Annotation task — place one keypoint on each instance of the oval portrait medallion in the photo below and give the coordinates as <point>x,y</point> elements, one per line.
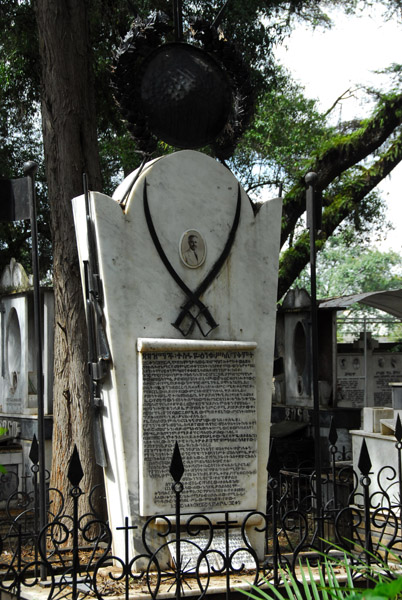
<point>192,248</point>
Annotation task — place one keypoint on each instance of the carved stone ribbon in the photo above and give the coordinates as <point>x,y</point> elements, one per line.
<point>193,297</point>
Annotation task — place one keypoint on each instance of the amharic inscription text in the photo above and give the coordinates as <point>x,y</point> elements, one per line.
<point>205,400</point>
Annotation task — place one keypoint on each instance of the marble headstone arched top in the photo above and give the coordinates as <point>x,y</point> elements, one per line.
<point>14,278</point>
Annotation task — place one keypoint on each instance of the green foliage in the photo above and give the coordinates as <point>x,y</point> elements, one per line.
<point>20,135</point>
<point>286,130</point>
<point>309,589</point>
<point>286,138</point>
<point>323,583</point>
<point>345,266</point>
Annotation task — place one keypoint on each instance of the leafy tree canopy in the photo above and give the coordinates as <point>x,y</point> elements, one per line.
<point>286,130</point>
<point>345,266</point>
<point>288,137</point>
<point>20,132</point>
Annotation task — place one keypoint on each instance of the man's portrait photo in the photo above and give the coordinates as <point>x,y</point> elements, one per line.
<point>192,249</point>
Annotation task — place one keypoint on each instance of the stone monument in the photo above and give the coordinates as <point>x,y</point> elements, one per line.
<point>188,274</point>
<point>17,347</point>
<point>18,377</point>
<point>365,374</point>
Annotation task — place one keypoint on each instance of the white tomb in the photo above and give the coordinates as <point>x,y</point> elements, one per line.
<point>192,353</point>
<point>18,346</point>
<point>378,432</point>
<point>364,376</point>
<point>18,378</point>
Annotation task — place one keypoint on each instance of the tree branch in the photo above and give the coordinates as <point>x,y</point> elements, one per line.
<point>343,153</point>
<point>340,98</point>
<point>342,205</point>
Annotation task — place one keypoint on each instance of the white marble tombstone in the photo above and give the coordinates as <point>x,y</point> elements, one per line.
<point>18,348</point>
<point>201,375</point>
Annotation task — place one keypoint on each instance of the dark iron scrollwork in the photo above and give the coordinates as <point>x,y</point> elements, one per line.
<point>361,519</point>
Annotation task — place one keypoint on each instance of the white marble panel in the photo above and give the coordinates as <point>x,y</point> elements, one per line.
<point>383,453</point>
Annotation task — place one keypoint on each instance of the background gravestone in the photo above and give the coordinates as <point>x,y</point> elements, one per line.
<point>17,350</point>
<point>191,344</point>
<point>18,379</point>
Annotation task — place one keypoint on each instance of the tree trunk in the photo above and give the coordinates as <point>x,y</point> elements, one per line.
<point>70,144</point>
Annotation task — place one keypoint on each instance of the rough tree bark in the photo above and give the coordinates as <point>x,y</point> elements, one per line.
<point>70,144</point>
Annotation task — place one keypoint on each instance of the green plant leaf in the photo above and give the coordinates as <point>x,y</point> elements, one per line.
<point>291,585</point>
<point>389,589</point>
<point>310,586</point>
<point>260,593</point>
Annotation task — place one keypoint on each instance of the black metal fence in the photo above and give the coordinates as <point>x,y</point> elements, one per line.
<point>73,556</point>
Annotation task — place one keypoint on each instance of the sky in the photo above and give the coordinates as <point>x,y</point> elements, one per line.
<point>329,62</point>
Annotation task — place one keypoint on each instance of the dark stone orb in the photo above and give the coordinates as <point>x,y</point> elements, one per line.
<point>185,95</point>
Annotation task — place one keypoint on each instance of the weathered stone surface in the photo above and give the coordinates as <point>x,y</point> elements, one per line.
<point>186,191</point>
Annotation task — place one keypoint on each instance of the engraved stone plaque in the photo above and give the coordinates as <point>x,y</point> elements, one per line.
<point>350,381</point>
<point>386,369</point>
<point>382,369</point>
<point>202,394</point>
<point>213,561</point>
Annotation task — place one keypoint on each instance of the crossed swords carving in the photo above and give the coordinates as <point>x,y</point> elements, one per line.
<point>193,297</point>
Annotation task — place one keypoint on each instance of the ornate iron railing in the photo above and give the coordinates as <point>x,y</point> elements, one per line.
<point>72,556</point>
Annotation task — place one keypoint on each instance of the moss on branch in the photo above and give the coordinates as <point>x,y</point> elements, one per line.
<point>339,206</point>
<point>342,153</point>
